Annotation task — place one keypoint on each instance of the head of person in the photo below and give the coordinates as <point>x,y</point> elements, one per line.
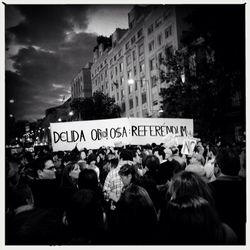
<point>83,155</point>
<point>152,164</point>
<point>136,216</point>
<point>212,152</point>
<point>85,213</point>
<point>45,168</point>
<point>88,179</point>
<point>228,162</point>
<point>197,158</point>
<point>91,160</point>
<point>189,183</point>
<point>21,195</point>
<point>126,155</point>
<point>12,171</point>
<point>147,149</point>
<point>190,219</point>
<point>70,174</point>
<point>129,174</point>
<point>160,153</point>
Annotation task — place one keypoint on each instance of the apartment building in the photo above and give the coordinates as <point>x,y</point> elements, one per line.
<point>129,70</point>
<point>81,83</point>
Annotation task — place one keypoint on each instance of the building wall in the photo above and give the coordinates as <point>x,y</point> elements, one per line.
<point>135,54</point>
<point>81,84</point>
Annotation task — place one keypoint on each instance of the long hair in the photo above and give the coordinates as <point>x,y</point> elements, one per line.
<point>190,220</point>
<point>188,183</point>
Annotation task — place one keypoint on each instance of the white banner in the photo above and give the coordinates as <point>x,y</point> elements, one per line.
<point>116,132</point>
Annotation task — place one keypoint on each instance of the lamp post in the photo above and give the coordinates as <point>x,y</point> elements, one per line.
<point>71,113</point>
<point>132,82</point>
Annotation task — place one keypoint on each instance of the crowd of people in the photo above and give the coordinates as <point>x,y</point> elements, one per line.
<point>133,195</point>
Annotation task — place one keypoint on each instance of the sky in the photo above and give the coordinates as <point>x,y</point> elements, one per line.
<point>45,46</point>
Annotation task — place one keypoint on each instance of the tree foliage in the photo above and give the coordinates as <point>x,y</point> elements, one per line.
<point>213,73</point>
<point>100,106</point>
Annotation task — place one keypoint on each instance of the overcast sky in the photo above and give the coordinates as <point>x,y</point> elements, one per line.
<point>46,45</point>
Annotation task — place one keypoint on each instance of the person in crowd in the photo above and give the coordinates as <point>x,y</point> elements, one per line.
<point>69,183</point>
<point>176,155</point>
<point>101,158</point>
<point>91,164</point>
<point>83,159</point>
<point>129,174</point>
<point>113,184</point>
<point>136,220</point>
<point>148,180</point>
<point>191,220</point>
<point>45,185</point>
<point>111,163</point>
<point>86,219</point>
<point>229,191</point>
<point>29,225</point>
<point>189,183</point>
<point>210,170</point>
<point>196,165</point>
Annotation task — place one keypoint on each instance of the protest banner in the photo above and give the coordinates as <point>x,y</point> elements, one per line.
<point>89,134</point>
<point>154,130</point>
<point>113,132</point>
<point>188,146</point>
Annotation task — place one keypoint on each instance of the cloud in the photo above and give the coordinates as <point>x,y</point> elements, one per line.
<point>46,46</point>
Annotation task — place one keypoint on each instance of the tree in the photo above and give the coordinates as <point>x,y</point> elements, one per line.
<point>100,106</point>
<point>211,75</point>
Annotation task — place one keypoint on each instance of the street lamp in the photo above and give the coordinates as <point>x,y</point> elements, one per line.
<point>132,82</point>
<point>59,119</point>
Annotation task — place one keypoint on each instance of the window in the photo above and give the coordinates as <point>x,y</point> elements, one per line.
<point>143,82</point>
<point>127,45</point>
<point>111,74</point>
<point>159,39</point>
<point>143,98</point>
<point>106,73</point>
<point>131,103</point>
<point>130,88</point>
<point>122,80</point>
<point>116,71</point>
<point>153,81</point>
<point>118,96</point>
<point>105,61</point>
<point>158,22</point>
<point>151,46</point>
<point>168,31</point>
<point>141,65</point>
<point>152,65</point>
<point>128,59</point>
<point>140,50</point>
<point>114,58</point>
<point>129,74</point>
<point>101,77</point>
<point>132,39</point>
<point>139,33</point>
<point>150,29</point>
<point>135,72</point>
<point>111,61</point>
<point>119,53</point>
<point>136,101</point>
<point>122,93</point>
<point>136,85</point>
<point>133,55</point>
<point>121,67</point>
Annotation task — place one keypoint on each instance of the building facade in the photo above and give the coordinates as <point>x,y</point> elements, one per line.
<point>129,71</point>
<point>81,83</point>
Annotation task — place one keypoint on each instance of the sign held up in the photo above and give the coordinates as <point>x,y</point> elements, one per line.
<point>118,131</point>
